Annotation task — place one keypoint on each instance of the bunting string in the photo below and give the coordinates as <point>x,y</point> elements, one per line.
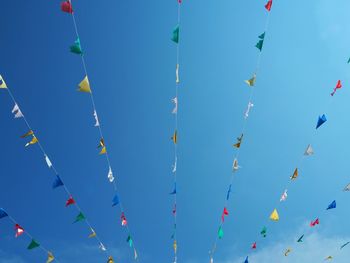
<point>58,182</point>
<point>85,86</point>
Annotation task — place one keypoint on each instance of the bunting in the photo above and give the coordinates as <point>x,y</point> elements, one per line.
<point>2,83</point>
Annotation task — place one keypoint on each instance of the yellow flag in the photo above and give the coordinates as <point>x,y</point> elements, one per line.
<point>174,137</point>
<point>33,141</point>
<point>27,134</point>
<point>328,258</point>
<point>274,216</point>
<point>110,260</point>
<point>251,82</point>
<point>93,233</point>
<point>175,246</point>
<point>295,174</point>
<point>50,257</point>
<point>2,83</point>
<point>239,141</point>
<point>102,144</point>
<point>84,85</point>
<point>287,252</point>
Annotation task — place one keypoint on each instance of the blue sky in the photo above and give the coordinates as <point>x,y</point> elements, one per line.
<point>131,63</point>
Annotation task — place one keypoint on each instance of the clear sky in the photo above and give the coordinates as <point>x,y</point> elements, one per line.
<point>131,63</point>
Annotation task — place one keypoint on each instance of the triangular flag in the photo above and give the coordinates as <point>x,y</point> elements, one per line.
<point>287,252</point>
<point>102,144</point>
<point>174,191</point>
<point>93,233</point>
<point>268,5</point>
<point>348,60</point>
<point>239,141</point>
<point>344,245</point>
<point>246,113</point>
<point>328,258</point>
<point>17,111</point>
<point>260,43</point>
<point>246,260</point>
<point>50,257</point>
<point>315,222</point>
<point>235,165</point>
<point>264,231</point>
<point>76,48</point>
<point>174,100</point>
<point>338,86</point>
<point>57,183</point>
<point>97,123</point>
<point>19,230</point>
<point>70,201</point>
<point>102,247</point>
<point>274,215</point>
<point>48,162</point>
<point>300,239</point>
<point>135,254</point>
<point>174,137</point>
<point>80,217</point>
<point>254,245</point>
<point>33,141</point>
<point>110,175</point>
<point>177,74</point>
<point>2,83</point>
<point>110,260</point>
<point>3,213</point>
<point>332,205</point>
<point>347,188</point>
<point>27,134</point>
<point>66,7</point>
<point>129,240</point>
<point>309,151</point>
<point>224,213</point>
<point>220,233</point>
<point>115,200</point>
<point>284,196</point>
<point>33,244</point>
<point>123,219</point>
<point>175,246</point>
<point>251,82</point>
<point>84,85</point>
<point>176,34</point>
<point>321,119</point>
<point>295,174</point>
<point>229,192</point>
<point>175,165</point>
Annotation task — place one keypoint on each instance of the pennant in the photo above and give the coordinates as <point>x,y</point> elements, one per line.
<point>347,188</point>
<point>97,123</point>
<point>57,183</point>
<point>174,137</point>
<point>110,260</point>
<point>84,85</point>
<point>287,252</point>
<point>246,260</point>
<point>254,245</point>
<point>102,145</point>
<point>315,222</point>
<point>300,239</point>
<point>176,34</point>
<point>110,175</point>
<point>175,165</point>
<point>344,245</point>
<point>264,231</point>
<point>102,247</point>
<point>321,119</point>
<point>177,74</point>
<point>93,233</point>
<point>48,162</point>
<point>19,230</point>
<point>80,217</point>
<point>295,174</point>
<point>309,151</point>
<point>175,246</point>
<point>229,192</point>
<point>235,165</point>
<point>274,215</point>
<point>174,100</point>
<point>123,219</point>
<point>284,196</point>
<point>328,258</point>
<point>332,205</point>
<point>129,240</point>
<point>211,260</point>
<point>70,201</point>
<point>260,43</point>
<point>3,213</point>
<point>251,82</point>
<point>224,213</point>
<point>246,113</point>
<point>268,5</point>
<point>135,254</point>
<point>115,200</point>
<point>33,141</point>
<point>239,142</point>
<point>348,60</point>
<point>2,83</point>
<point>33,245</point>
<point>338,86</point>
<point>27,134</point>
<point>174,191</point>
<point>66,7</point>
<point>50,257</point>
<point>17,111</point>
<point>76,48</point>
<point>174,210</point>
<point>220,233</point>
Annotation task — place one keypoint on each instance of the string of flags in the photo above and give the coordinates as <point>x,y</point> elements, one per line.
<point>175,38</point>
<point>85,87</point>
<point>57,182</point>
<point>33,244</point>
<point>251,82</point>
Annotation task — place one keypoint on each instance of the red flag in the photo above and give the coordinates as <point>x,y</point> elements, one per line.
<point>339,86</point>
<point>314,223</point>
<point>123,218</point>
<point>67,7</point>
<point>254,245</point>
<point>268,5</point>
<point>19,230</point>
<point>224,213</point>
<point>179,1</point>
<point>70,201</point>
<point>174,210</point>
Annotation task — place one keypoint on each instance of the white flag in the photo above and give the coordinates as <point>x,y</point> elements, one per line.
<point>175,165</point>
<point>48,162</point>
<point>16,110</point>
<point>102,247</point>
<point>96,118</point>
<point>135,254</point>
<point>250,105</point>
<point>110,175</point>
<point>347,188</point>
<point>235,165</point>
<point>174,100</point>
<point>309,151</point>
<point>284,196</point>
<point>177,74</point>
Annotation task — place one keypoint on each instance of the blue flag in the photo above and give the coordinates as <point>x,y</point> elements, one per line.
<point>57,183</point>
<point>332,205</point>
<point>3,213</point>
<point>115,200</point>
<point>321,119</point>
<point>246,260</point>
<point>228,192</point>
<point>174,191</point>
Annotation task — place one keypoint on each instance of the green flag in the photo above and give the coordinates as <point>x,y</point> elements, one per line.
<point>176,34</point>
<point>263,231</point>
<point>33,244</point>
<point>348,60</point>
<point>76,48</point>
<point>129,240</point>
<point>260,44</point>
<point>220,232</point>
<point>262,36</point>
<point>79,217</point>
